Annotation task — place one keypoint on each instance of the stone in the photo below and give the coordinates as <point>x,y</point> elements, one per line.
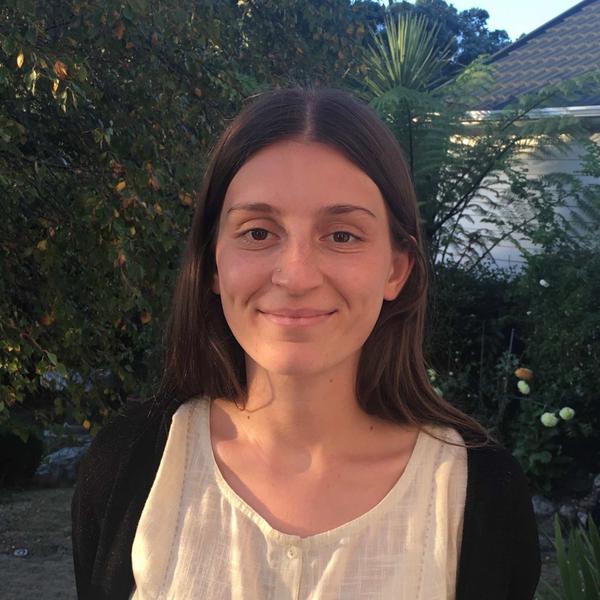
<point>60,466</point>
<point>568,512</point>
<point>542,507</point>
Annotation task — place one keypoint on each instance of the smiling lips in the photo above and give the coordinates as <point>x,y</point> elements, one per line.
<point>301,316</point>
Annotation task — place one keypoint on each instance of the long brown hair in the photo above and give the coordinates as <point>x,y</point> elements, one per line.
<point>202,355</point>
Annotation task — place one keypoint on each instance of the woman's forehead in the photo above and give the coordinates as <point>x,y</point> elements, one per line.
<point>311,174</point>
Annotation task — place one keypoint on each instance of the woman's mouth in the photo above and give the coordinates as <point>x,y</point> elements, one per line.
<point>298,321</point>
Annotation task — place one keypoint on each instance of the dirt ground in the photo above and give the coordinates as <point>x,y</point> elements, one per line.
<point>39,520</point>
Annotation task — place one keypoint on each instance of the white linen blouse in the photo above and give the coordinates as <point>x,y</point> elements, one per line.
<point>197,539</point>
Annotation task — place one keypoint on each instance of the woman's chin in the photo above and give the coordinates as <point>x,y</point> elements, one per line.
<point>292,365</point>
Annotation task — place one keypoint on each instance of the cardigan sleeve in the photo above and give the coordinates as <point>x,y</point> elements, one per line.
<point>499,558</point>
<point>96,479</point>
<point>525,559</point>
<point>85,527</point>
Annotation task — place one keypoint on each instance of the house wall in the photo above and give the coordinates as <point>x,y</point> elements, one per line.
<point>507,255</point>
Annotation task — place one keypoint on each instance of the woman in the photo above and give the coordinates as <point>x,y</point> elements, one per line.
<point>297,449</point>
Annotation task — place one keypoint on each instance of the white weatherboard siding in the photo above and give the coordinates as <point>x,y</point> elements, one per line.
<point>506,255</point>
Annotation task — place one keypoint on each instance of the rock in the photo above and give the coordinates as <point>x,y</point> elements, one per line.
<point>542,507</point>
<point>60,466</point>
<point>568,512</point>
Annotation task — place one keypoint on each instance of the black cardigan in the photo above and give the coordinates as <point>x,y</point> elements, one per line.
<point>499,557</point>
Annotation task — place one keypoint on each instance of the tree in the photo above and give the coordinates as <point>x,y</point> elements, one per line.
<point>107,113</point>
<point>462,168</point>
<point>465,32</point>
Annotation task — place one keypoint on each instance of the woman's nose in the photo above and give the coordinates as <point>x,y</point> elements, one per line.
<point>297,268</point>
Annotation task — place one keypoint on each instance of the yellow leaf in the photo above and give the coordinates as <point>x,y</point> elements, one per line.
<point>20,60</point>
<point>158,209</point>
<point>60,69</point>
<point>186,199</point>
<point>86,424</point>
<point>42,245</point>
<point>55,85</point>
<point>120,186</point>
<point>145,317</point>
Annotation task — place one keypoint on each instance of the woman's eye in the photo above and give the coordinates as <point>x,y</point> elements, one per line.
<point>343,237</point>
<point>256,235</point>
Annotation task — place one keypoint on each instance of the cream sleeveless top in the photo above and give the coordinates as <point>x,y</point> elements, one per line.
<point>197,539</point>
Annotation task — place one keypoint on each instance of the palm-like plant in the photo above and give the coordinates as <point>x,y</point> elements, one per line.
<point>406,56</point>
<point>465,170</point>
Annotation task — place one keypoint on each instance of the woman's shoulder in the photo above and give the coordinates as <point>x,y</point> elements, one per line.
<point>135,429</point>
<point>489,464</point>
<point>140,427</point>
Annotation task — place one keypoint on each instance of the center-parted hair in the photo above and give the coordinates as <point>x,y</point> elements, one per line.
<point>202,355</point>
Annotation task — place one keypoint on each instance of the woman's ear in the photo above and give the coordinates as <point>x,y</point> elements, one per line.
<point>400,270</point>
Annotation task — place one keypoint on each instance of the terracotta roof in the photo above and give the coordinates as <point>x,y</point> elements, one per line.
<point>565,47</point>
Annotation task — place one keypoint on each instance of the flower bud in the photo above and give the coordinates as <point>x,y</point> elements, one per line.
<point>566,413</point>
<point>523,373</point>
<point>549,419</point>
<point>523,387</point>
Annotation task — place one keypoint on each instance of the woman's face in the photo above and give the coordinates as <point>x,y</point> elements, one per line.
<point>304,258</point>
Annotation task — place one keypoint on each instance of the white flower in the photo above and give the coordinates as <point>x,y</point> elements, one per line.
<point>523,387</point>
<point>432,374</point>
<point>549,419</point>
<point>566,413</point>
<point>544,283</point>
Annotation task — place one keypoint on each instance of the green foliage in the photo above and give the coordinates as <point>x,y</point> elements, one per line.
<point>408,57</point>
<point>561,335</point>
<point>107,113</point>
<point>470,173</point>
<point>486,323</point>
<point>579,563</point>
<point>465,32</point>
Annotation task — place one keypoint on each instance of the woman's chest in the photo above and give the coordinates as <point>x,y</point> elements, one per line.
<point>307,504</point>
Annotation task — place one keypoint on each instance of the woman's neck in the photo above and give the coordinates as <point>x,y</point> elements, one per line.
<point>300,417</point>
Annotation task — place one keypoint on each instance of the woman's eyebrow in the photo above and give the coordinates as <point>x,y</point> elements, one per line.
<point>333,209</point>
